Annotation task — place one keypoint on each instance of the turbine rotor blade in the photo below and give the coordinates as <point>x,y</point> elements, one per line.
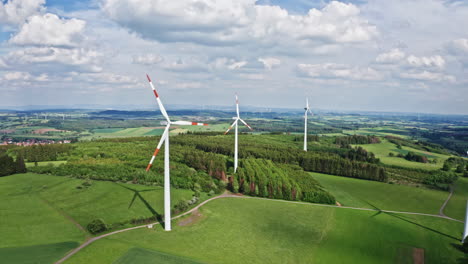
<point>188,123</point>
<point>161,106</point>
<point>156,151</point>
<point>245,124</point>
<point>235,121</point>
<point>237,107</point>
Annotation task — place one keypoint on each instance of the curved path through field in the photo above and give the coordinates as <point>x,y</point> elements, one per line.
<point>225,195</point>
<point>441,211</point>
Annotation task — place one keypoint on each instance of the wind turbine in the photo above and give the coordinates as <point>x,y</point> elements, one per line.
<point>236,120</point>
<point>165,139</point>
<point>307,109</point>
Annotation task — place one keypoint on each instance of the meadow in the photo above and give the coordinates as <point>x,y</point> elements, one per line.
<point>44,212</point>
<point>382,150</point>
<point>456,207</point>
<point>236,230</point>
<point>377,195</point>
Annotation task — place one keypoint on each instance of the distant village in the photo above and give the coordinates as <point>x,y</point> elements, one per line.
<point>31,142</point>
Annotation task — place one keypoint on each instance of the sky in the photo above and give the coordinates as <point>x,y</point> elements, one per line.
<point>376,55</point>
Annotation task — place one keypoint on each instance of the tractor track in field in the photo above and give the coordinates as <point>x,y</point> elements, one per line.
<point>227,195</point>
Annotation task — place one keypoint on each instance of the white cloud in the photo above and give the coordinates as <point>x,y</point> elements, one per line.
<point>15,12</point>
<point>270,62</point>
<point>459,49</point>
<point>87,59</point>
<point>23,76</point>
<point>230,22</point>
<point>103,77</point>
<point>147,59</point>
<point>252,76</point>
<point>340,71</point>
<point>459,45</point>
<point>392,56</point>
<point>433,61</point>
<point>49,29</point>
<point>237,65</point>
<point>187,85</point>
<point>428,76</point>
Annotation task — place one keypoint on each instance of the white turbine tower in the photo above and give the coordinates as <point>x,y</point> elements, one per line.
<point>236,119</point>
<point>465,231</point>
<point>165,139</point>
<point>307,109</point>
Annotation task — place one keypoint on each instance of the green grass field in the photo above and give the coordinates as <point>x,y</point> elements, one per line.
<point>32,231</point>
<point>146,256</point>
<point>47,253</point>
<point>235,230</point>
<point>384,196</point>
<point>381,151</point>
<point>456,207</point>
<point>45,163</point>
<point>38,209</point>
<point>110,201</point>
<point>124,132</point>
<point>377,131</point>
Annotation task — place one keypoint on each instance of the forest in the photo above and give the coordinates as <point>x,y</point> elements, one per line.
<point>202,161</point>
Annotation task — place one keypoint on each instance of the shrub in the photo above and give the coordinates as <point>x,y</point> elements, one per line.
<point>96,226</point>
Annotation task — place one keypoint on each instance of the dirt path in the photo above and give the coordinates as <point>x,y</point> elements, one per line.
<point>226,195</point>
<point>441,211</point>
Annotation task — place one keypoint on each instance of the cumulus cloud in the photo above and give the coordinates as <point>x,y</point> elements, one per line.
<point>392,56</point>
<point>432,61</point>
<point>49,29</point>
<point>428,76</point>
<point>459,49</point>
<point>15,12</point>
<point>227,22</point>
<point>270,62</point>
<point>339,71</point>
<point>85,59</point>
<point>147,59</point>
<point>102,78</point>
<point>459,45</point>
<point>23,76</point>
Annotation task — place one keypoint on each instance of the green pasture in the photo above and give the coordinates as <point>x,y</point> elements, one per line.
<point>378,131</point>
<point>377,195</point>
<point>46,253</point>
<point>45,163</point>
<point>236,230</point>
<point>456,207</point>
<point>32,230</point>
<point>124,132</point>
<point>146,256</point>
<point>382,150</point>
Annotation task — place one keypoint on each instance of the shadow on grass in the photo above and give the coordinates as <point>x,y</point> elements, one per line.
<point>460,248</point>
<point>137,194</point>
<point>407,220</point>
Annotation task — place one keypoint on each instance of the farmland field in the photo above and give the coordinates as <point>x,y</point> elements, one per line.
<point>382,150</point>
<point>125,132</point>
<point>289,233</point>
<point>378,195</point>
